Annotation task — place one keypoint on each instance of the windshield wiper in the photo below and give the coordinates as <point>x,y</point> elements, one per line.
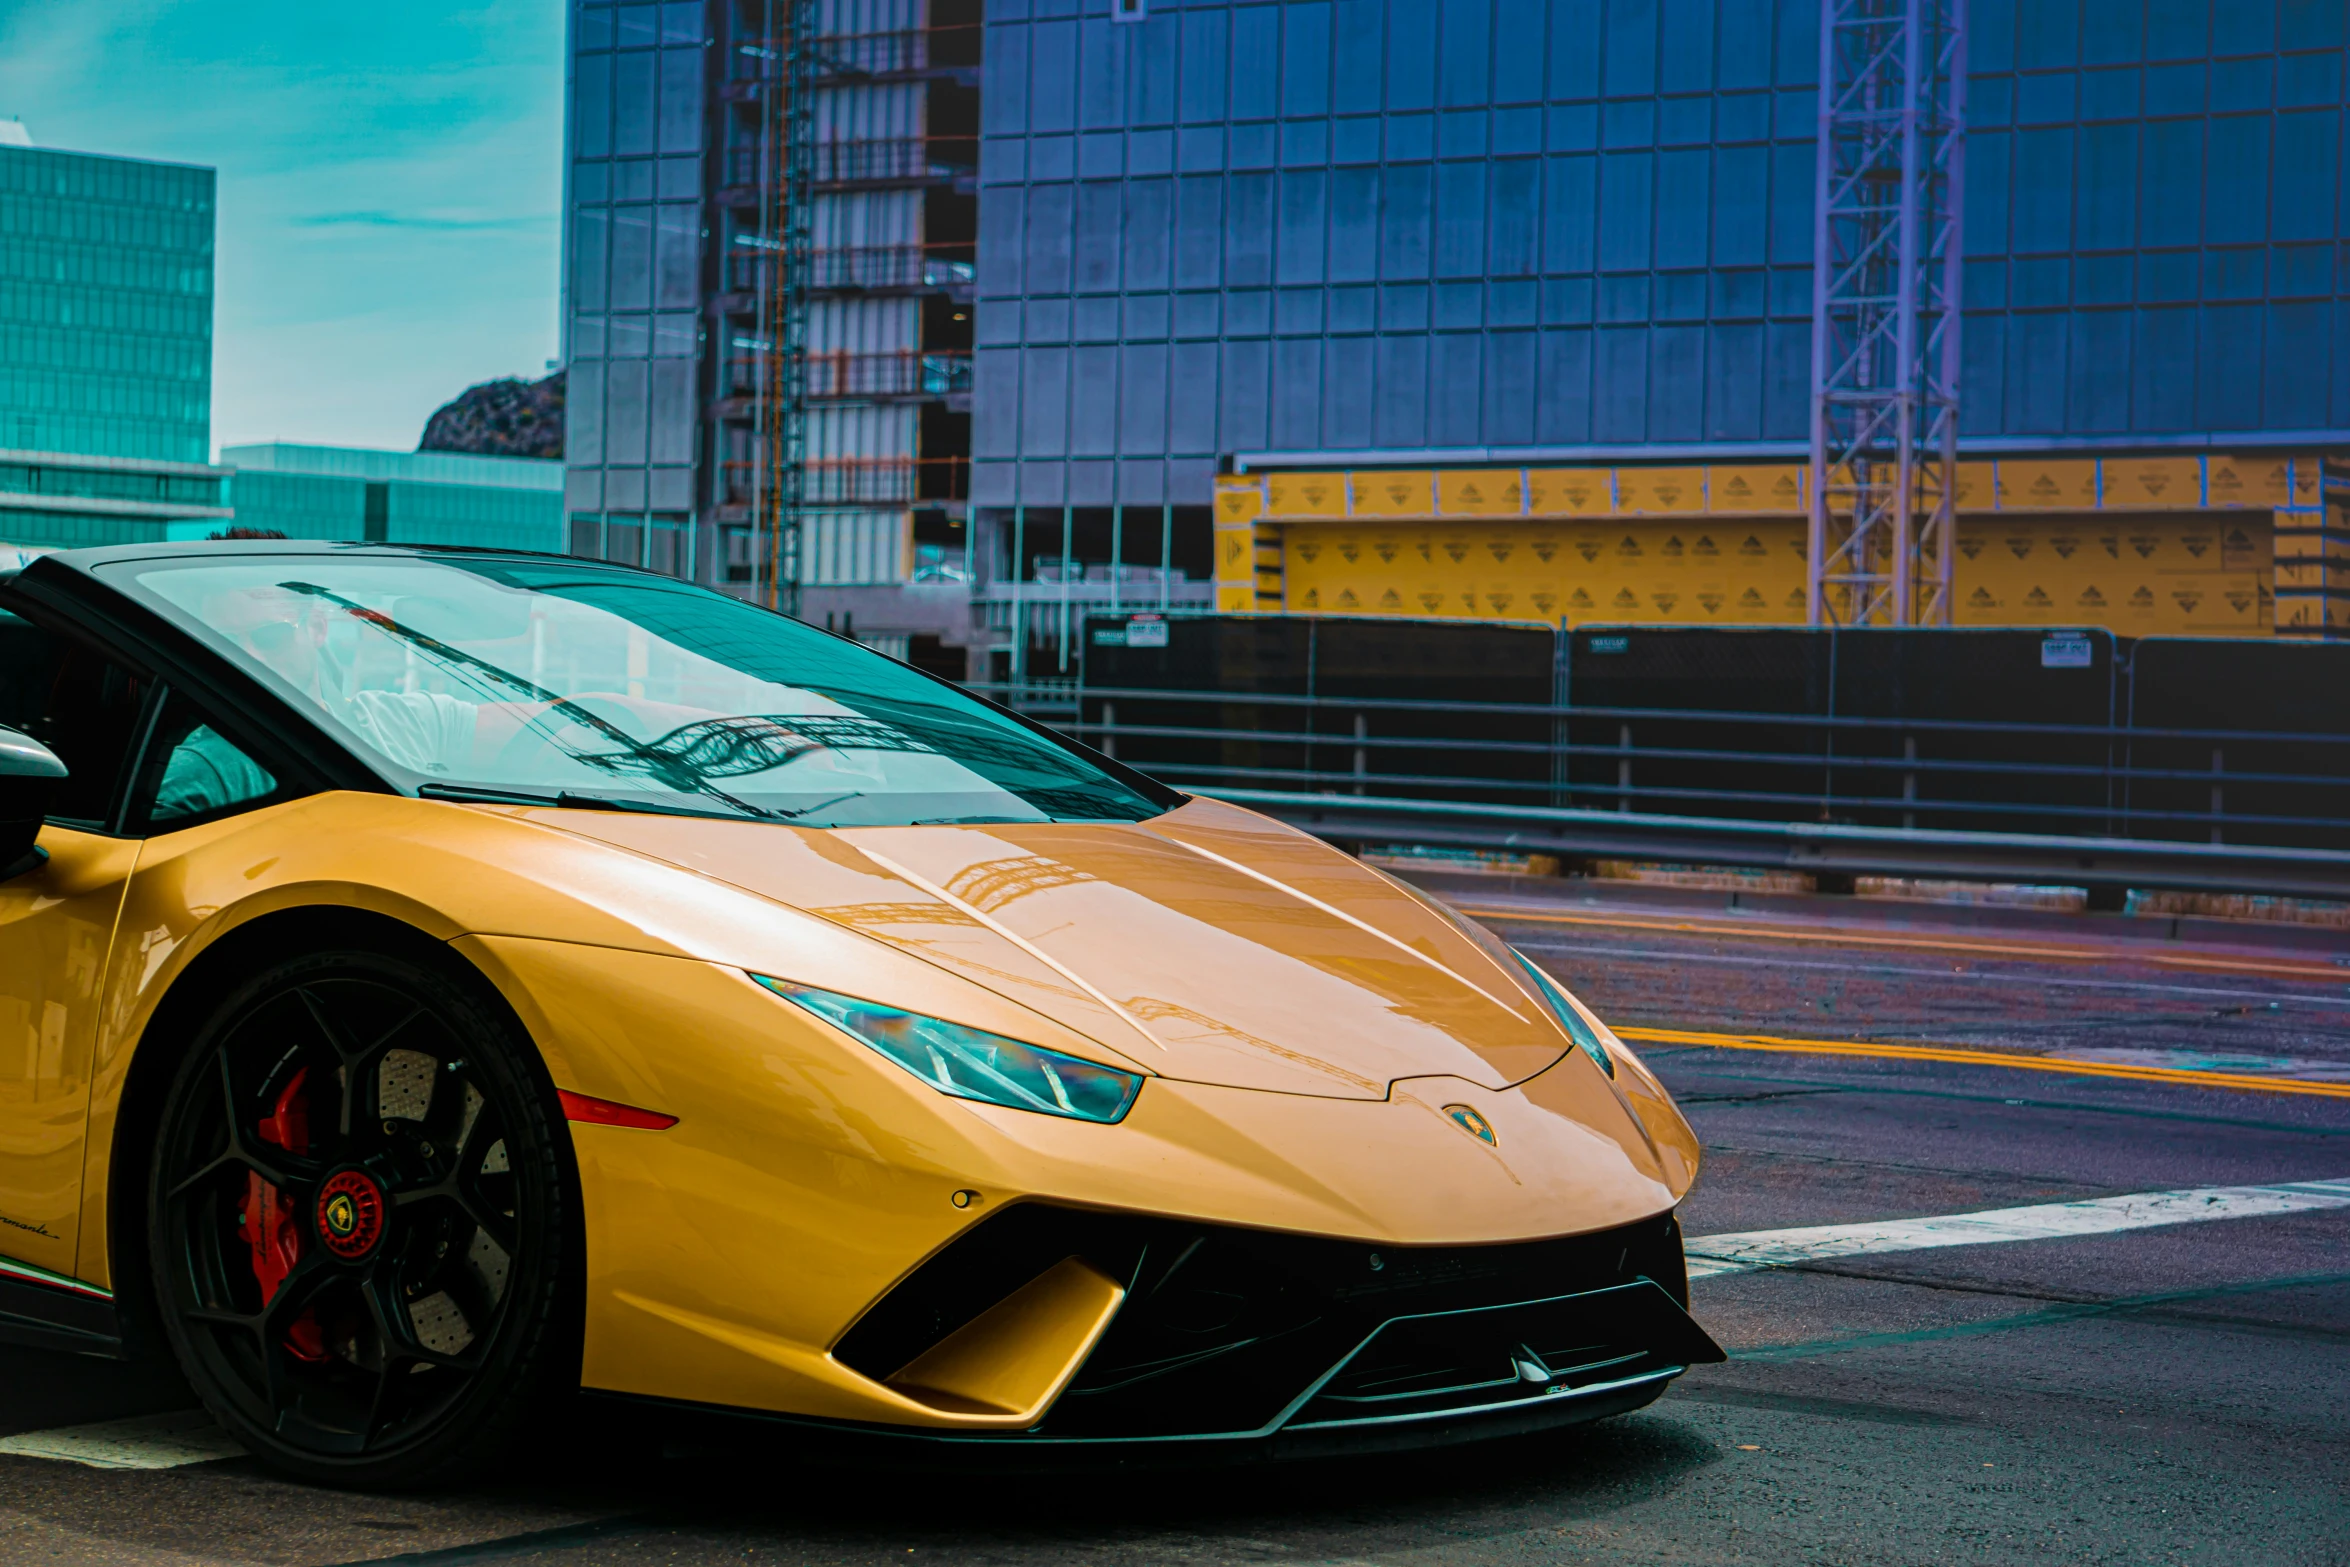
<point>566,799</point>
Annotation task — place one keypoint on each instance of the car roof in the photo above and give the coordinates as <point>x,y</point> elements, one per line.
<point>216,549</point>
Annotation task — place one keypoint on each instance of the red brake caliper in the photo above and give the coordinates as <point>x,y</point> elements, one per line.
<point>273,1227</point>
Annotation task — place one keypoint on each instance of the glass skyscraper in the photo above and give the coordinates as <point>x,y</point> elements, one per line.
<point>105,346</point>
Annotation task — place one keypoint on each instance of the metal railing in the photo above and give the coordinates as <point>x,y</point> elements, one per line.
<point>872,160</point>
<point>836,377</point>
<point>2109,780</point>
<point>1832,852</point>
<point>863,480</point>
<point>954,46</point>
<point>864,267</point>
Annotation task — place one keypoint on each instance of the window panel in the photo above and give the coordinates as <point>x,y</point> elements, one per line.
<point>1460,221</point>
<point>632,103</point>
<point>1142,399</point>
<point>1097,236</point>
<point>1455,368</point>
<point>1093,405</point>
<point>1403,222</point>
<point>1399,413</point>
<point>1044,403</point>
<point>1411,54</point>
<point>1516,212</point>
<point>1297,392</point>
<point>677,257</point>
<point>1191,403</point>
<point>1569,214</point>
<point>2235,189</point>
<point>591,107</point>
<point>1354,225</point>
<point>681,100</point>
<point>1518,51</point>
<point>1205,52</point>
<point>672,412</point>
<point>1199,231</point>
<point>628,413</point>
<point>1248,232</point>
<point>1256,60</point>
<point>1148,221</point>
<point>1347,393</point>
<point>587,260</point>
<point>1467,50</point>
<point>1625,216</point>
<point>1241,422</point>
<point>1052,77</point>
<point>1302,225</point>
<point>1305,58</point>
<point>1563,413</point>
<point>632,258</point>
<point>1047,249</point>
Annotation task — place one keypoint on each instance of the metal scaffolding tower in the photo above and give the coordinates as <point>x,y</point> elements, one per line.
<point>1886,254</point>
<point>787,166</point>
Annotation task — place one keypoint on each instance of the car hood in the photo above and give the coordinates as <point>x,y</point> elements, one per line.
<point>1209,945</point>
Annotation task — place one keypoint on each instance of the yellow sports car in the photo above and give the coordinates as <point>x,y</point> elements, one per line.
<point>434,982</point>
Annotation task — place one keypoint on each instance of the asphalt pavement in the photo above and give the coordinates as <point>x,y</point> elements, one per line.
<point>2163,1381</point>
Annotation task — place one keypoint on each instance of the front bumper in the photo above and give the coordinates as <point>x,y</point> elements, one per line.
<point>1235,1345</point>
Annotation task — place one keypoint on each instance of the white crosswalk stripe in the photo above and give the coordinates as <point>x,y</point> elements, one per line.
<point>167,1441</point>
<point>1716,1254</point>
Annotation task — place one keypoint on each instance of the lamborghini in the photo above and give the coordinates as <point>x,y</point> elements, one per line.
<point>438,984</point>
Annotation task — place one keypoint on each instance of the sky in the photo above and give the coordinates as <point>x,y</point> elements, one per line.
<point>390,183</point>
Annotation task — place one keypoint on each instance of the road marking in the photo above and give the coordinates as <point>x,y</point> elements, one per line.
<point>2071,1066</point>
<point>184,1436</point>
<point>1833,935</point>
<point>1740,1253</point>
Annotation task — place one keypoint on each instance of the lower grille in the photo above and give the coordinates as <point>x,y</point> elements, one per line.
<point>1231,1332</point>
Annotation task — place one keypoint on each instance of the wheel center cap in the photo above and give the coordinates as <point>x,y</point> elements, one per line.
<point>350,1214</point>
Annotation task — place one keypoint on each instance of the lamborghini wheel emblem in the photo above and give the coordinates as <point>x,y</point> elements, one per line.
<point>350,1214</point>
<point>1474,1124</point>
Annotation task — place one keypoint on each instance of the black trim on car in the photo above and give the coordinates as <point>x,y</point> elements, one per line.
<point>64,597</point>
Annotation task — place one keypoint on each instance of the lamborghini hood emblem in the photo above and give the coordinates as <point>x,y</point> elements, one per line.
<point>1474,1124</point>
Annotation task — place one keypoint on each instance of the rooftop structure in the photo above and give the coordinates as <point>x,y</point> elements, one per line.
<point>335,492</point>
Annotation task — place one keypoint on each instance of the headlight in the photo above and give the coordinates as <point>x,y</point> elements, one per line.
<point>1569,1019</point>
<point>971,1064</point>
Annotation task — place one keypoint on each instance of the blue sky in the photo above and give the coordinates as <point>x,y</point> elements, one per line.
<point>390,179</point>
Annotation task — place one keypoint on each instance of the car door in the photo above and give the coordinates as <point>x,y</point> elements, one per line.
<point>57,928</point>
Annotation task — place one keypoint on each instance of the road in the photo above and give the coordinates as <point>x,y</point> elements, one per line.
<point>2171,1392</point>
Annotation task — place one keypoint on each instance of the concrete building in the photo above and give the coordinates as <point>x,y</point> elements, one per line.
<point>105,347</point>
<point>336,492</point>
<point>1502,308</point>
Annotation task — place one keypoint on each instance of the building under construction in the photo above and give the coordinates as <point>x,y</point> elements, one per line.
<point>954,328</point>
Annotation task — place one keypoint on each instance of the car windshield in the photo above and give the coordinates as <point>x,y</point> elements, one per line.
<point>581,684</point>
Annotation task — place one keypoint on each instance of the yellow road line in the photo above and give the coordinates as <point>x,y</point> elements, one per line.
<point>1834,936</point>
<point>2242,1082</point>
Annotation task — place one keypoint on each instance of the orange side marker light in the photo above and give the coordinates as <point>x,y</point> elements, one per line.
<point>603,1112</point>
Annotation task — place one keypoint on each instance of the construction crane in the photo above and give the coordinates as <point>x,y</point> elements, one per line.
<point>1886,255</point>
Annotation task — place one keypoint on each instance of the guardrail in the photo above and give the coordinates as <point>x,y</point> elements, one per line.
<point>1820,849</point>
<point>2119,781</point>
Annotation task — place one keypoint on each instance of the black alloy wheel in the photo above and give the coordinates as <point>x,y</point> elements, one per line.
<point>360,1224</point>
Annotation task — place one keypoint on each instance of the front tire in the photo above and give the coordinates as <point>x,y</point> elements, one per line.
<point>360,1223</point>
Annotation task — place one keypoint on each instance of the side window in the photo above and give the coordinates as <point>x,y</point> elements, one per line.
<point>193,773</point>
<point>79,704</point>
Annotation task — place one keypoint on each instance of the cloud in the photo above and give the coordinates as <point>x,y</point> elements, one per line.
<point>406,220</point>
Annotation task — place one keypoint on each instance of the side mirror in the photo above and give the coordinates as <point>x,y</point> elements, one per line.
<point>29,775</point>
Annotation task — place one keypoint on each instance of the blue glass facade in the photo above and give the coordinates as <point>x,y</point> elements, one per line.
<point>1478,227</point>
<point>105,306</point>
